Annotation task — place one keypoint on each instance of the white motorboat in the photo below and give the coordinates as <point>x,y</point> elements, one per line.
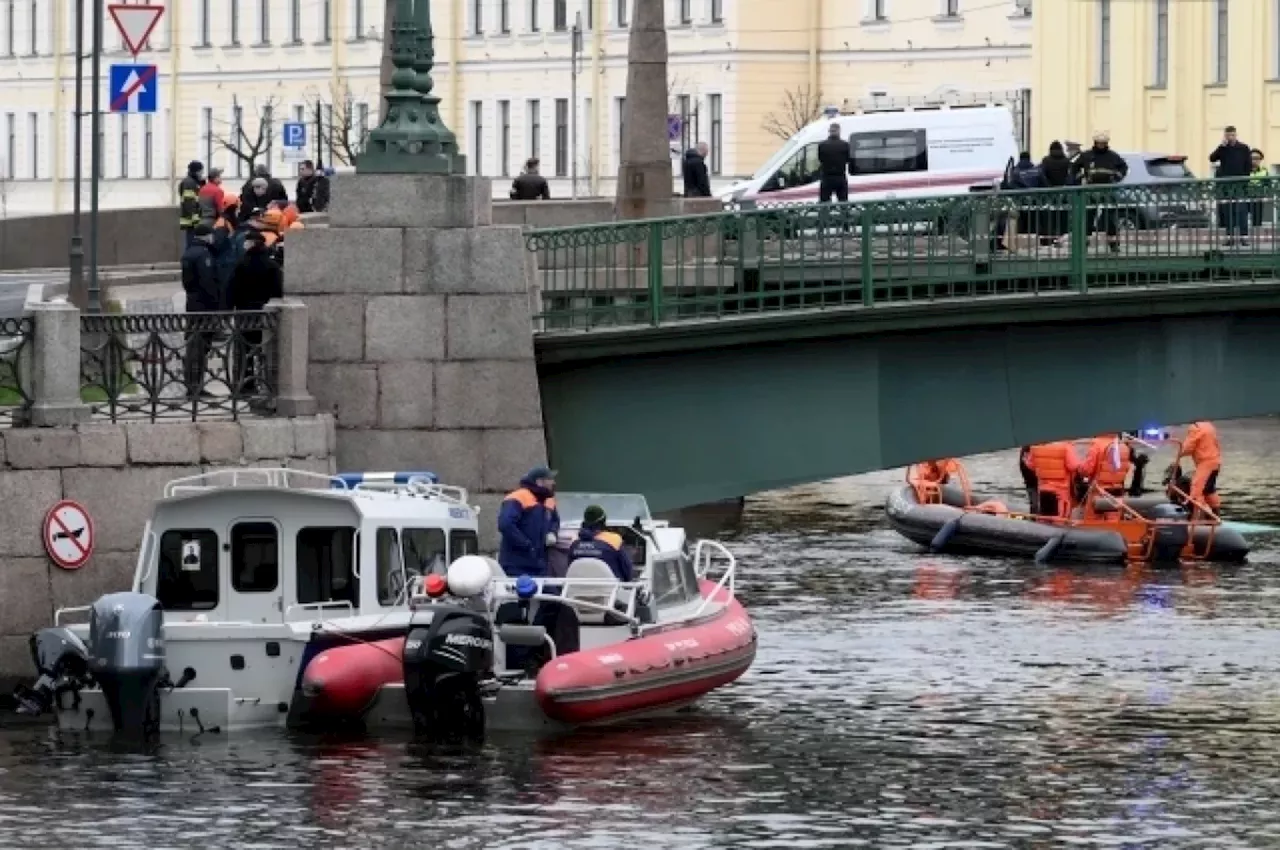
<point>274,597</point>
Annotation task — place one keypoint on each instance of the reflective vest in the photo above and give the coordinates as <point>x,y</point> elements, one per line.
<point>1053,466</point>
<point>1106,474</point>
<point>188,203</point>
<point>527,500</point>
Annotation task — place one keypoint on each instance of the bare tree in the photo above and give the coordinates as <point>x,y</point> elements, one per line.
<point>800,108</point>
<point>345,125</point>
<point>249,145</point>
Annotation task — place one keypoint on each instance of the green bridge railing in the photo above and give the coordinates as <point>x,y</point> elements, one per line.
<point>806,257</point>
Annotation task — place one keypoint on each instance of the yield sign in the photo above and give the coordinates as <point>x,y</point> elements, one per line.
<point>135,23</point>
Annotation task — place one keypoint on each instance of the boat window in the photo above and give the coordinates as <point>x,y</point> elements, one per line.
<point>462,541</point>
<point>390,580</point>
<point>187,579</point>
<point>689,577</point>
<point>423,550</point>
<point>327,565</point>
<point>255,557</point>
<point>888,152</point>
<point>668,583</point>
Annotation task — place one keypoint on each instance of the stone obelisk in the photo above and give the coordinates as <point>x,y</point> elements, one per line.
<point>644,173</point>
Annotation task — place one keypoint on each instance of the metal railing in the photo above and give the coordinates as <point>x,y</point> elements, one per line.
<point>15,369</point>
<point>178,366</point>
<point>866,254</point>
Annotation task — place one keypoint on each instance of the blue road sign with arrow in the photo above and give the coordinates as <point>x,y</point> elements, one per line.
<point>133,88</point>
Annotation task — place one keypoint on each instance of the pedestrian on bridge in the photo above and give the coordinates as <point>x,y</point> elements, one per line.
<point>1234,160</point>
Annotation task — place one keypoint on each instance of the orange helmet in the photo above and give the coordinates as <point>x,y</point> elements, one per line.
<point>273,219</point>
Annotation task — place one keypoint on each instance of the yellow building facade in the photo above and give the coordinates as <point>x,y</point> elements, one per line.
<point>738,70</point>
<point>1164,76</point>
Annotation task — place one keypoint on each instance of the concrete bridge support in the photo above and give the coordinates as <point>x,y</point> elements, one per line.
<point>421,340</point>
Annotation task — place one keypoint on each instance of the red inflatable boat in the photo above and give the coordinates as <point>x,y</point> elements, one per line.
<point>665,669</point>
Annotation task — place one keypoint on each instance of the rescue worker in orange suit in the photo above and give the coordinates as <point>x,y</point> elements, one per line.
<point>1107,464</point>
<point>1055,466</point>
<point>594,542</point>
<point>937,471</point>
<point>1201,445</point>
<point>529,522</point>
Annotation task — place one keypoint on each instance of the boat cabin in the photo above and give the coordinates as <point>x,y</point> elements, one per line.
<point>280,545</point>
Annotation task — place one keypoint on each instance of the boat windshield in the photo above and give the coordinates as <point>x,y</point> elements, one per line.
<point>619,507</point>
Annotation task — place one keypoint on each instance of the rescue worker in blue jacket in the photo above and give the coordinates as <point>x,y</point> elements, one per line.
<point>594,542</point>
<point>529,522</point>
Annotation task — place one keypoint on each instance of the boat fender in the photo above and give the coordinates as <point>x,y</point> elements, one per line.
<point>944,535</point>
<point>1049,549</point>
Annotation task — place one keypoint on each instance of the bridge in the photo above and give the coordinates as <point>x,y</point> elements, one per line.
<point>712,356</point>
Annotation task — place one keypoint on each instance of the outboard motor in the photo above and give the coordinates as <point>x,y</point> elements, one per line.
<point>1170,533</point>
<point>62,660</point>
<point>127,658</point>
<point>445,662</point>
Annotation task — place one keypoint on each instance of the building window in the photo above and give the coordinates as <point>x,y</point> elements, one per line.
<point>686,11</point>
<point>10,145</point>
<point>268,124</point>
<point>237,133</point>
<point>504,16</point>
<point>477,17</point>
<point>326,21</point>
<point>876,10</point>
<point>264,21</point>
<point>124,145</point>
<point>477,136</point>
<point>951,8</point>
<point>1221,42</point>
<point>504,138</point>
<point>621,105</point>
<point>206,118</point>
<point>535,127</point>
<point>533,15</point>
<point>1160,77</point>
<point>35,28</point>
<point>148,142</point>
<point>682,106</point>
<point>1104,44</point>
<point>357,20</point>
<point>204,24</point>
<point>33,124</point>
<point>717,11</point>
<point>591,13</point>
<point>326,133</point>
<point>620,12</point>
<point>562,137</point>
<point>295,21</point>
<point>234,40</point>
<point>11,17</point>
<point>362,126</point>
<point>560,15</point>
<point>716,107</point>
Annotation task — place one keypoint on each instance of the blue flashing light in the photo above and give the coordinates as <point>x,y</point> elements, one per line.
<point>526,587</point>
<point>348,480</point>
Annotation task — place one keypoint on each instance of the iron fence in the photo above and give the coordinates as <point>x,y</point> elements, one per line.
<point>866,254</point>
<point>184,366</point>
<point>16,344</point>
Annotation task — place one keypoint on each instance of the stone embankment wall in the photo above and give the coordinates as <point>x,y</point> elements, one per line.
<point>115,471</point>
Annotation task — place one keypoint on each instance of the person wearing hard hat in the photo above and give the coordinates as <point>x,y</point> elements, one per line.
<point>595,542</point>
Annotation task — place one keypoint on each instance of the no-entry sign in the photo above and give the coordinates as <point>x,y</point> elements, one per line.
<point>68,535</point>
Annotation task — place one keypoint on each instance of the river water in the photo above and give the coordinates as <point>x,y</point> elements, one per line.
<point>898,700</point>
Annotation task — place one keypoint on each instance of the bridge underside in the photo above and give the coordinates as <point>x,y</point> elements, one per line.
<point>730,416</point>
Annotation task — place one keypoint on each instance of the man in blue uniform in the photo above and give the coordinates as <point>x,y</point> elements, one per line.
<point>594,542</point>
<point>528,522</point>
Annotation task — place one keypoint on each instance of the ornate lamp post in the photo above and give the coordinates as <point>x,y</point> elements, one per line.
<point>412,138</point>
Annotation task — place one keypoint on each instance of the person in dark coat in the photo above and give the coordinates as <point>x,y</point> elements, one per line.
<point>1101,166</point>
<point>834,157</point>
<point>312,191</point>
<point>697,180</point>
<point>200,283</point>
<point>1056,168</point>
<point>1234,160</point>
<point>528,522</point>
<point>530,185</point>
<point>257,279</point>
<point>594,542</point>
<point>275,190</point>
<point>189,201</point>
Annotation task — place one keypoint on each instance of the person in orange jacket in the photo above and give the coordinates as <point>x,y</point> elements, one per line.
<point>1107,463</point>
<point>1202,446</point>
<point>291,218</point>
<point>1055,466</point>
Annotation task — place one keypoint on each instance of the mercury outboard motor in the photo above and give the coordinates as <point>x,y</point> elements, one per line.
<point>127,658</point>
<point>445,662</point>
<point>62,660</point>
<point>1170,535</point>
